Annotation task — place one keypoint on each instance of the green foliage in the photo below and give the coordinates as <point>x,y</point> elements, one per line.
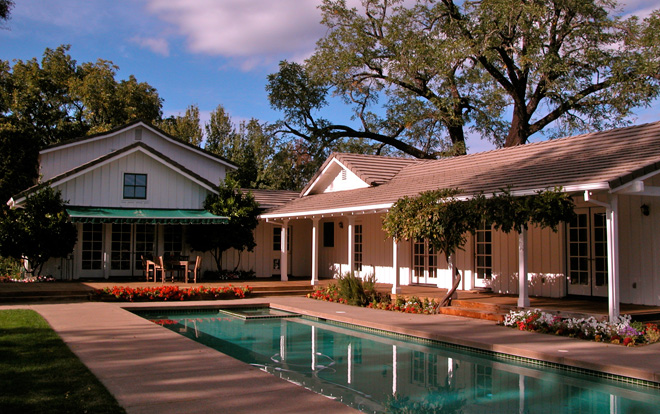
<point>238,234</point>
<point>18,164</point>
<point>40,230</point>
<point>61,99</point>
<point>184,127</point>
<point>357,291</point>
<point>40,374</point>
<point>445,220</point>
<point>501,69</point>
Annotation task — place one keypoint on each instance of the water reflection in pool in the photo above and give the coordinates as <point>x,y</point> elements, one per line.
<point>382,373</point>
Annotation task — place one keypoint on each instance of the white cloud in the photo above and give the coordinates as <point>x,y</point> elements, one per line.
<point>252,31</point>
<point>157,45</point>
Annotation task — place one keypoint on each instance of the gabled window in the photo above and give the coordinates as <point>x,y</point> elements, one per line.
<point>135,186</point>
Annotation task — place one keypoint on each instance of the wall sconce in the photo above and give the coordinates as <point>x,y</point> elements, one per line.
<point>341,224</point>
<point>645,209</point>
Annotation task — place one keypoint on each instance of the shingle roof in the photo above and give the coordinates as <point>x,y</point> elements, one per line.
<point>372,169</point>
<point>272,198</point>
<point>600,160</point>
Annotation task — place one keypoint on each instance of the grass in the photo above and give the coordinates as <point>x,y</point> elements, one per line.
<point>40,374</point>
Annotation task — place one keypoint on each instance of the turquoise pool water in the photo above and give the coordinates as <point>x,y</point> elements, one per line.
<point>377,372</point>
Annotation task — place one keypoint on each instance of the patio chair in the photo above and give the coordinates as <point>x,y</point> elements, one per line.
<point>194,269</point>
<point>164,270</point>
<point>150,269</point>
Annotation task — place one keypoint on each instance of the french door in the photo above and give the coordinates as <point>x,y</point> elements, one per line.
<point>425,263</point>
<point>587,253</point>
<point>129,242</point>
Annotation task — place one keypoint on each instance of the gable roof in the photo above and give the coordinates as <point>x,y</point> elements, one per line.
<point>156,130</point>
<point>595,161</point>
<point>372,169</point>
<point>100,161</point>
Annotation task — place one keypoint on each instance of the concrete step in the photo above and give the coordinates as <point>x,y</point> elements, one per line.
<point>37,298</point>
<point>472,313</point>
<point>274,292</point>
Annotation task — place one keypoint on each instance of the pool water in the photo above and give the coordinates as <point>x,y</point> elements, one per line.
<point>377,372</point>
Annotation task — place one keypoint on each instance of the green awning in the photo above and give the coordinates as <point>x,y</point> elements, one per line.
<point>142,216</point>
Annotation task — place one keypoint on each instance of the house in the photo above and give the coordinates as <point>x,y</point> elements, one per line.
<point>132,192</point>
<point>611,249</point>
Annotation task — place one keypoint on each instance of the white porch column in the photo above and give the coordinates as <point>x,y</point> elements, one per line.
<point>612,223</point>
<point>315,251</point>
<point>523,290</point>
<point>396,286</point>
<point>351,237</point>
<point>284,258</point>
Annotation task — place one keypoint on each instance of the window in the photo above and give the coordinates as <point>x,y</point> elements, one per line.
<point>135,186</point>
<point>329,234</point>
<point>277,239</point>
<point>484,252</point>
<point>92,246</point>
<point>357,247</point>
<point>173,241</point>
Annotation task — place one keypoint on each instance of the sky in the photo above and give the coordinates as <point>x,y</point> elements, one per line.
<point>203,52</point>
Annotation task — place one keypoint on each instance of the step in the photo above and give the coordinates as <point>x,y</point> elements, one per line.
<point>485,306</point>
<point>472,313</point>
<point>290,292</point>
<point>45,298</point>
<point>276,288</point>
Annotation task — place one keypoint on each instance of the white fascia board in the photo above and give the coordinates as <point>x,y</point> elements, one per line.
<point>628,185</point>
<point>329,212</point>
<point>341,165</point>
<point>143,125</point>
<point>122,155</point>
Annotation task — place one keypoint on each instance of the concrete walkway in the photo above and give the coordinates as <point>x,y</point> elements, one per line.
<point>151,369</point>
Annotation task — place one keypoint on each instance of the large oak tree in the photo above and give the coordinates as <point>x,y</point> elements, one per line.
<point>420,77</point>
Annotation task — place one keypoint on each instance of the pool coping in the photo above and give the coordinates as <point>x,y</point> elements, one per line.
<point>122,352</point>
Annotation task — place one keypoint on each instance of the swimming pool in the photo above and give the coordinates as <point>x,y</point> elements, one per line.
<point>378,372</point>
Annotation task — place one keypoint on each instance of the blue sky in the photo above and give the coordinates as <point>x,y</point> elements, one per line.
<point>204,52</point>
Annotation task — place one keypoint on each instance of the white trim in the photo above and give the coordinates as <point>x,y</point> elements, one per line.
<point>322,173</point>
<point>624,187</point>
<point>368,209</point>
<point>127,128</point>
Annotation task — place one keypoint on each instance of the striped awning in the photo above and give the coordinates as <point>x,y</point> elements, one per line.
<point>142,216</point>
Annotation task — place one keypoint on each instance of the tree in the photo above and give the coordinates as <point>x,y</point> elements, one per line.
<point>61,99</point>
<point>18,165</point>
<point>39,231</point>
<point>505,70</point>
<point>185,127</point>
<point>238,233</point>
<point>445,220</point>
<point>5,9</point>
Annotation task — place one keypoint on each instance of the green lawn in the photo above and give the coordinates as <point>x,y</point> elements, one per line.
<point>39,374</point>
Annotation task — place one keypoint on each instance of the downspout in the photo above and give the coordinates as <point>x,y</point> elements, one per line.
<point>612,222</point>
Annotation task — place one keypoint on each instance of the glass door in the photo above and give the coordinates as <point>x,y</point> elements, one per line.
<point>425,263</point>
<point>129,242</point>
<point>587,253</point>
<point>91,263</point>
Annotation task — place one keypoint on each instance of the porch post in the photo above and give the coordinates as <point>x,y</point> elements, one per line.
<point>612,223</point>
<point>396,286</point>
<point>315,251</point>
<point>284,266</point>
<point>351,231</point>
<point>523,295</point>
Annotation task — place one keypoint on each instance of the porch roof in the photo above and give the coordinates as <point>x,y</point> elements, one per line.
<point>142,216</point>
<point>596,161</point>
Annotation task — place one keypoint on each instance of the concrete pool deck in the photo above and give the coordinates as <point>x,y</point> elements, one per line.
<point>151,369</point>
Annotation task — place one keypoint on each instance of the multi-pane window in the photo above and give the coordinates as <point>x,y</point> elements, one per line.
<point>144,243</point>
<point>484,252</point>
<point>120,255</point>
<point>135,186</point>
<point>277,239</point>
<point>92,246</point>
<point>357,247</point>
<point>578,246</point>
<point>173,240</point>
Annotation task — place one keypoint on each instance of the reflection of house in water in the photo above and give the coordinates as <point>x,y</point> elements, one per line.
<point>370,371</point>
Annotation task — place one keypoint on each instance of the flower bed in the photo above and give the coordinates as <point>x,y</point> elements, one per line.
<point>413,304</point>
<point>165,293</point>
<point>619,331</point>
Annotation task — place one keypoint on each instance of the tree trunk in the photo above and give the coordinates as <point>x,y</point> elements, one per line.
<point>519,131</point>
<point>457,136</point>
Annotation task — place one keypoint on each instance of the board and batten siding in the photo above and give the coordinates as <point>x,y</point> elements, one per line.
<point>103,186</point>
<point>59,160</point>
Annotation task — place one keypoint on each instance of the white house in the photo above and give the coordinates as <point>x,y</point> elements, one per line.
<point>612,249</point>
<point>131,192</point>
